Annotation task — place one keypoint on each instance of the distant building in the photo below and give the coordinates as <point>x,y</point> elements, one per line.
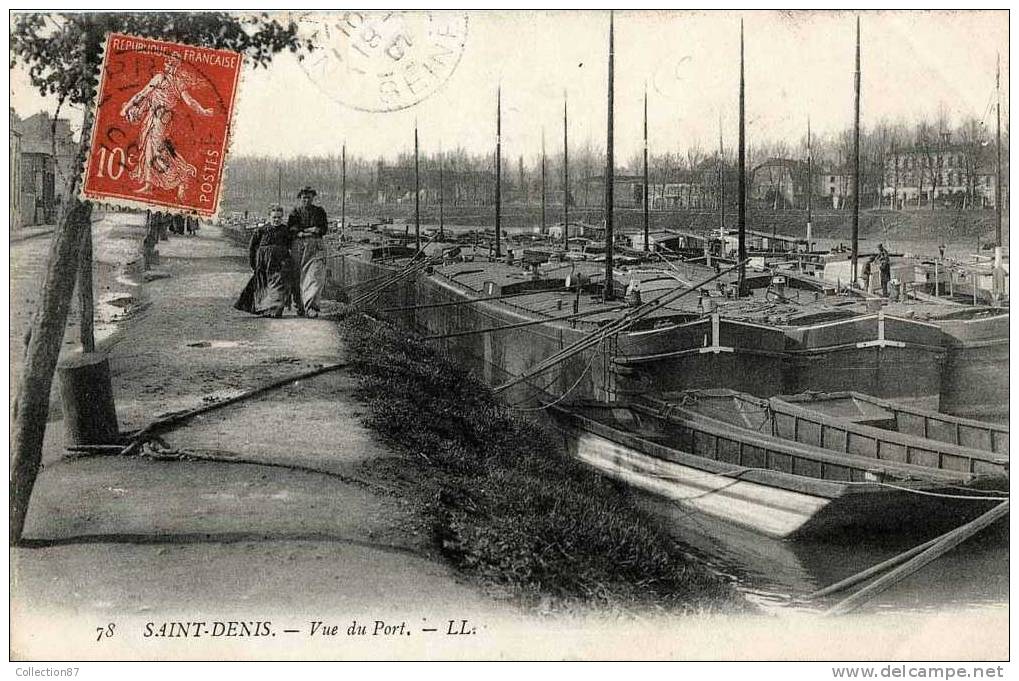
<point>48,159</point>
<point>395,184</point>
<point>15,175</point>
<point>696,189</point>
<point>627,191</point>
<point>952,174</point>
<point>780,183</point>
<point>38,194</point>
<point>40,135</point>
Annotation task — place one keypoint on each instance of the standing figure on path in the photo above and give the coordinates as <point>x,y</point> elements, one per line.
<point>308,225</point>
<point>154,106</point>
<point>268,289</point>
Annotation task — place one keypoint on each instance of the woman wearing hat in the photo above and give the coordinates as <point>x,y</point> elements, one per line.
<point>308,225</point>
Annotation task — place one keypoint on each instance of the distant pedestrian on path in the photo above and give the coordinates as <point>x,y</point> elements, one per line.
<point>268,289</point>
<point>308,224</point>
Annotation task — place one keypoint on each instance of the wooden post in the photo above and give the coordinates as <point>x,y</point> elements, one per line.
<point>498,172</point>
<point>544,224</point>
<point>810,189</point>
<point>997,146</point>
<point>742,189</point>
<point>610,169</point>
<point>417,193</point>
<point>343,191</point>
<point>86,392</point>
<point>442,196</point>
<point>86,303</point>
<point>647,219</point>
<point>856,155</point>
<point>566,174</point>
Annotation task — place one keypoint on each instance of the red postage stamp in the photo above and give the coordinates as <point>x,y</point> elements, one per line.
<point>162,125</point>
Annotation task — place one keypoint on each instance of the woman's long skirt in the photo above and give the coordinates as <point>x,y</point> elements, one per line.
<point>266,292</point>
<point>308,255</point>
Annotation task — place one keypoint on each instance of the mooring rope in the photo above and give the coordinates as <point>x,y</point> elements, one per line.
<point>559,399</point>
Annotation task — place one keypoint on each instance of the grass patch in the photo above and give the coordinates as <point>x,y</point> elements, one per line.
<point>507,506</point>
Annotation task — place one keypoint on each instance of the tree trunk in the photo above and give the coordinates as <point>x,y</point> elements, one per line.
<point>32,401</point>
<point>31,408</point>
<point>86,304</point>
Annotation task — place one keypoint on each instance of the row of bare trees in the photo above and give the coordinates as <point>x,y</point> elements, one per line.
<point>922,156</point>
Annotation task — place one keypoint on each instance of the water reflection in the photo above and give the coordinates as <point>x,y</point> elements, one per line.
<point>776,574</point>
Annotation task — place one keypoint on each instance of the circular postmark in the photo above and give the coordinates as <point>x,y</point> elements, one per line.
<point>383,61</point>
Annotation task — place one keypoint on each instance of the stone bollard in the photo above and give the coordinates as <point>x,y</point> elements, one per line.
<point>86,393</point>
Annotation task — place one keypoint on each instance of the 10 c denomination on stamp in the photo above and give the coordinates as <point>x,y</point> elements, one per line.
<point>162,125</point>
<point>384,61</point>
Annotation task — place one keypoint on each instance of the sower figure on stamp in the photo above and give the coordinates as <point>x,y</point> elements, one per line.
<point>308,225</point>
<point>154,107</point>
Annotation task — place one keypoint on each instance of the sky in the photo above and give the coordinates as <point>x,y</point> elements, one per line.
<point>798,64</point>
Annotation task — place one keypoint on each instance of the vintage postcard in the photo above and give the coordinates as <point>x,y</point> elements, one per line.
<point>511,335</point>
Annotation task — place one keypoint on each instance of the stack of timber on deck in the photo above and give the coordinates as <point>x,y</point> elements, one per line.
<point>788,339</point>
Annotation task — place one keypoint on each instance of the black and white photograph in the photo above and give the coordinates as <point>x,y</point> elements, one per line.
<point>510,335</point>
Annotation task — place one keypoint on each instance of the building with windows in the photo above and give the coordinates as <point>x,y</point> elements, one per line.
<point>948,174</point>
<point>15,175</point>
<point>396,183</point>
<point>47,160</point>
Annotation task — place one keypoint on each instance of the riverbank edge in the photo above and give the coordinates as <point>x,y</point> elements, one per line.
<point>508,508</point>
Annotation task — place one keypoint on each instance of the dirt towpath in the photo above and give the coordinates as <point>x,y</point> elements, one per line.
<point>304,529</point>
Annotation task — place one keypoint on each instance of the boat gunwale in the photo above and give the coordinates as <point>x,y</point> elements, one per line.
<point>909,409</point>
<point>719,428</point>
<point>781,406</point>
<point>791,482</point>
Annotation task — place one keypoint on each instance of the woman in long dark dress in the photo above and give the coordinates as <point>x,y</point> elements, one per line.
<point>269,256</point>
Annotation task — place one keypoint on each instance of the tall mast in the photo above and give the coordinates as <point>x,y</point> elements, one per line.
<point>544,226</point>
<point>997,176</point>
<point>566,172</point>
<point>609,164</point>
<point>498,171</point>
<point>742,188</point>
<point>646,216</point>
<point>721,182</point>
<point>810,184</point>
<point>343,188</point>
<point>442,195</point>
<point>417,191</point>
<point>856,156</point>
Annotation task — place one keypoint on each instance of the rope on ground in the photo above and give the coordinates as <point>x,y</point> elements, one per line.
<point>180,417</point>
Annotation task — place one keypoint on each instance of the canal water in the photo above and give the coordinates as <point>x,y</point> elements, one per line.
<point>776,574</point>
